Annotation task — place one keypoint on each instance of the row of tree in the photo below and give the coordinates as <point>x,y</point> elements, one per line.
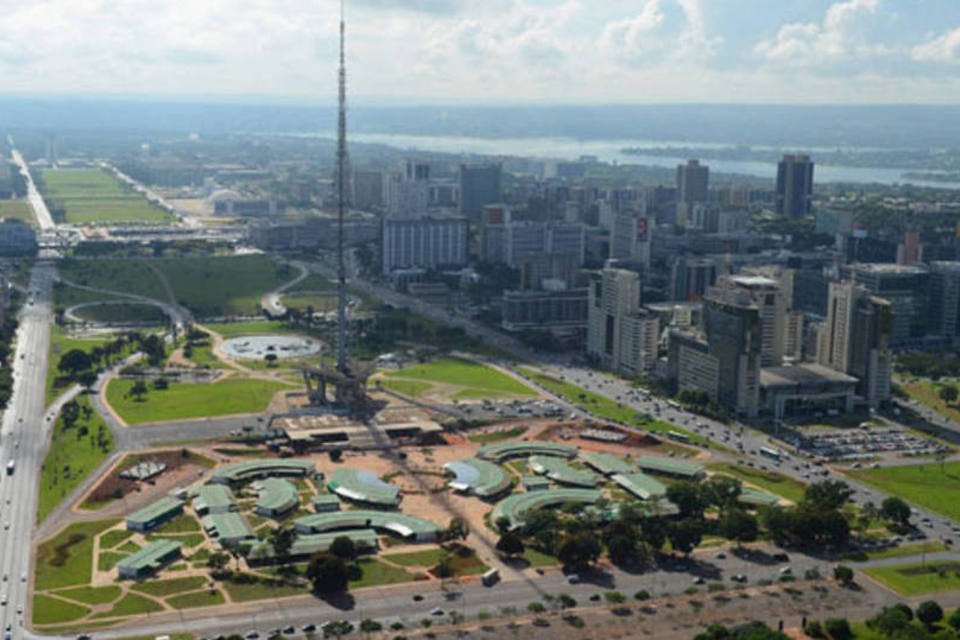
<point>83,367</point>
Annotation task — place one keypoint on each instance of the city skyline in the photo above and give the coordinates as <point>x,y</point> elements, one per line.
<point>505,51</point>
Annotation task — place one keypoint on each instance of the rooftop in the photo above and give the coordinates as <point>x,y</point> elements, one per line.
<point>670,466</point>
<point>252,469</point>
<point>151,556</point>
<point>363,486</point>
<point>227,526</point>
<point>483,478</point>
<point>399,523</point>
<point>559,471</point>
<point>155,510</point>
<point>606,463</point>
<point>640,485</point>
<point>276,495</point>
<point>500,451</point>
<point>309,543</point>
<point>802,374</point>
<point>516,506</point>
<point>213,497</point>
<point>887,268</point>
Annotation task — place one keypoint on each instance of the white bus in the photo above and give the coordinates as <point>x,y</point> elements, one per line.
<point>771,453</point>
<point>490,577</point>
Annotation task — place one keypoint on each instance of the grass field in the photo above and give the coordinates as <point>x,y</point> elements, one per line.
<point>372,572</point>
<point>426,558</point>
<point>260,590</point>
<point>66,560</point>
<point>170,587</point>
<point>197,599</point>
<point>926,485</point>
<point>468,379</point>
<point>61,343</point>
<point>17,210</point>
<point>926,392</point>
<point>917,579</point>
<point>251,328</point>
<point>411,388</point>
<point>93,196</point>
<point>186,400</point>
<point>775,483</point>
<point>130,605</point>
<point>74,452</point>
<point>122,312</point>
<point>604,407</point>
<point>930,546</point>
<point>539,559</point>
<point>92,595</point>
<point>49,610</point>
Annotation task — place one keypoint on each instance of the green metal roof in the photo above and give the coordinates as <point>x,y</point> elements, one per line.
<point>757,497</point>
<point>516,506</point>
<point>500,451</point>
<point>363,486</point>
<point>325,498</point>
<point>396,522</point>
<point>252,469</point>
<point>310,543</point>
<point>213,497</point>
<point>162,507</point>
<point>606,463</point>
<point>151,556</point>
<point>559,471</point>
<point>227,526</point>
<point>640,485</point>
<point>534,481</point>
<point>483,478</point>
<point>670,466</point>
<point>276,495</point>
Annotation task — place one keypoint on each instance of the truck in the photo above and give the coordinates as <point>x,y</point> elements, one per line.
<point>490,578</point>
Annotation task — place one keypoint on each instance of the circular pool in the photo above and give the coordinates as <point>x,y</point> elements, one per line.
<point>258,347</point>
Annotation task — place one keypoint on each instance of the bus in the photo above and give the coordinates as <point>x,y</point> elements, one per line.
<point>678,436</point>
<point>10,467</point>
<point>490,578</point>
<point>771,453</point>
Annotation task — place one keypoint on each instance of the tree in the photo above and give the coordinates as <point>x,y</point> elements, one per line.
<point>827,495</point>
<point>327,573</point>
<point>738,526</point>
<point>622,549</point>
<point>218,561</point>
<point>370,626</point>
<point>929,612</point>
<point>344,548</point>
<point>336,455</point>
<point>270,359</point>
<point>837,628</point>
<point>889,621</point>
<point>843,574</point>
<point>685,535</point>
<point>895,510</point>
<point>458,529</point>
<point>722,491</point>
<point>653,533</point>
<point>578,551</point>
<point>281,539</point>
<point>74,362</point>
<point>70,413</point>
<point>138,390</point>
<point>954,619</point>
<point>510,544</point>
<point>948,393</point>
<point>688,498</point>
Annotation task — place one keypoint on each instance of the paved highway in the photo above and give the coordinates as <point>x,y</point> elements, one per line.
<point>24,441</point>
<point>44,219</point>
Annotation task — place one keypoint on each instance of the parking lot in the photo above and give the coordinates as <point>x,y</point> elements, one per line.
<point>866,443</point>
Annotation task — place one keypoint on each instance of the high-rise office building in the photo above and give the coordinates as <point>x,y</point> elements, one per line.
<point>479,186</point>
<point>423,242</point>
<point>907,287</point>
<point>630,237</point>
<point>407,191</point>
<point>794,185</point>
<point>690,278</point>
<point>621,336</point>
<point>367,190</point>
<point>855,339</point>
<point>734,337</point>
<point>945,305</point>
<point>692,181</point>
<point>910,250</point>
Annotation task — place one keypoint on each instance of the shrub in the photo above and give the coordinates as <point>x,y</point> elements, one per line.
<point>643,594</point>
<point>837,628</point>
<point>814,629</point>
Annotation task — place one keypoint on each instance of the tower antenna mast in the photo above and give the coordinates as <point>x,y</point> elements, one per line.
<point>342,162</point>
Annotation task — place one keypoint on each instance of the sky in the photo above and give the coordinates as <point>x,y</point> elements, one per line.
<point>489,51</point>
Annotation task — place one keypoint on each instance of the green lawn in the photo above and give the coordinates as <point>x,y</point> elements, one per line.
<point>260,590</point>
<point>604,407</point>
<point>66,559</point>
<point>170,587</point>
<point>109,559</point>
<point>92,595</point>
<point>476,380</point>
<point>187,400</point>
<point>74,452</point>
<point>496,436</point>
<point>196,599</point>
<point>771,481</point>
<point>412,388</point>
<point>130,605</point>
<point>95,196</point>
<point>372,573</point>
<point>926,485</point>
<point>201,354</point>
<point>17,210</point>
<point>930,546</point>
<point>251,328</point>
<point>122,312</point>
<point>61,343</point>
<point>183,523</point>
<point>426,558</point>
<point>49,610</point>
<point>539,559</point>
<point>916,579</point>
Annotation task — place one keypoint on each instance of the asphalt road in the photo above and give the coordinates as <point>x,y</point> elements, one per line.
<point>44,219</point>
<point>24,440</point>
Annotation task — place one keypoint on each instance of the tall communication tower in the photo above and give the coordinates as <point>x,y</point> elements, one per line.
<point>342,161</point>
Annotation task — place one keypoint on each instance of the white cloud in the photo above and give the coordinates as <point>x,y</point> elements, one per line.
<point>839,38</point>
<point>944,48</point>
<point>662,29</point>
